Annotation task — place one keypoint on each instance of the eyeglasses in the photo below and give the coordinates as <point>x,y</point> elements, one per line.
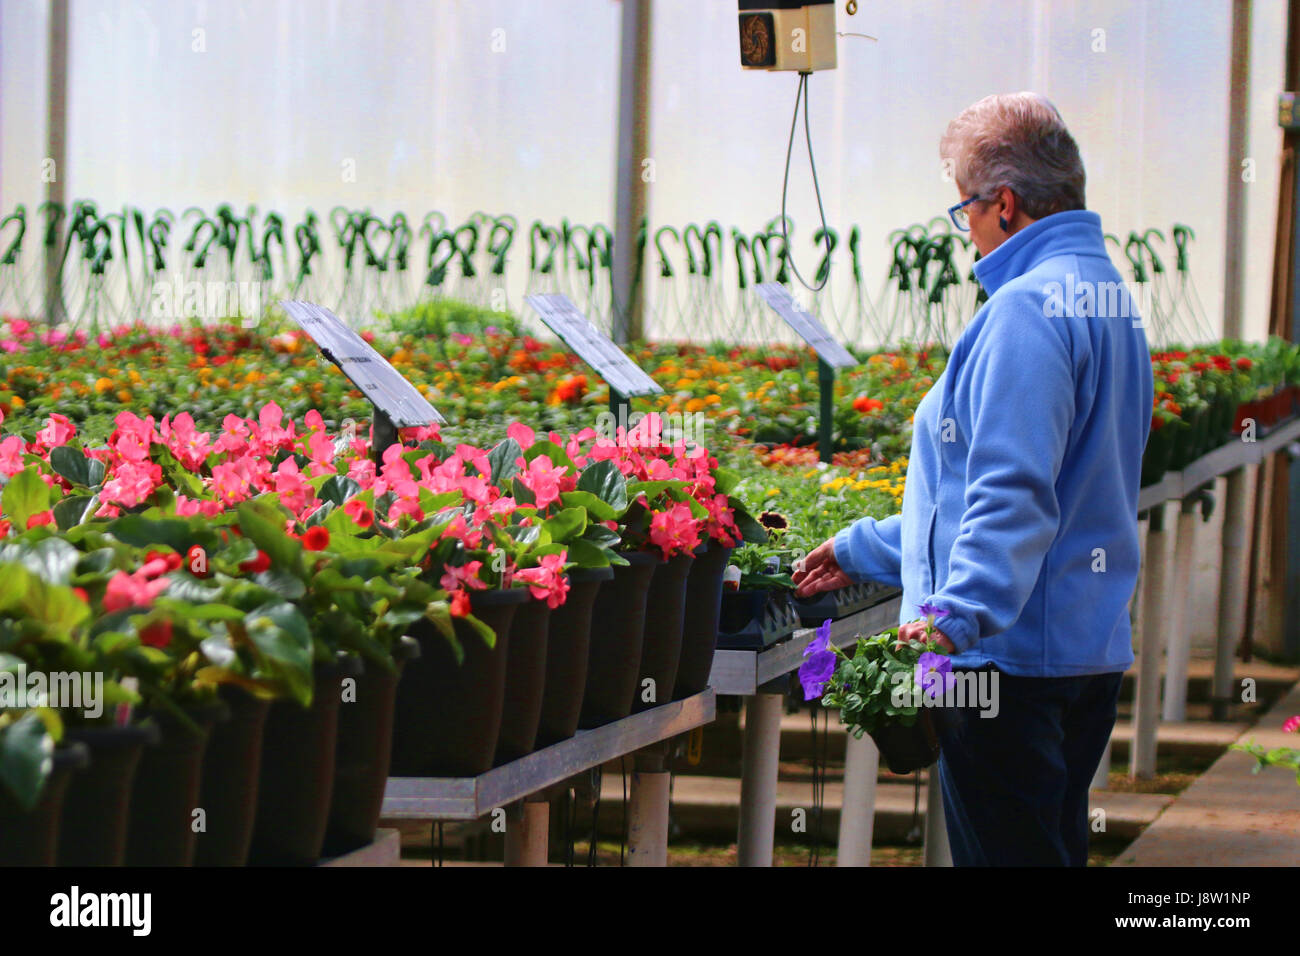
<point>960,215</point>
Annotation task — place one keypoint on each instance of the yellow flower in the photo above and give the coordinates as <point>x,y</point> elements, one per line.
<point>103,385</point>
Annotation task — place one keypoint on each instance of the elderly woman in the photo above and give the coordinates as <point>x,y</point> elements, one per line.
<point>1018,527</point>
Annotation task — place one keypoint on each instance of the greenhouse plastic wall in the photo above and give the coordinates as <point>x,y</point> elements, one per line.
<point>461,106</point>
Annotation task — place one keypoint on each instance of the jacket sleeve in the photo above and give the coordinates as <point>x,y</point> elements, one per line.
<point>1020,388</point>
<point>871,550</point>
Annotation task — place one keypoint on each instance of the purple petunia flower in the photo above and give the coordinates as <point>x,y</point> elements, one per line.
<point>934,674</point>
<point>931,611</point>
<point>819,663</point>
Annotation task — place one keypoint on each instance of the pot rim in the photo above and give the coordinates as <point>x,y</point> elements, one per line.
<point>587,575</point>
<point>494,597</point>
<point>407,648</point>
<point>216,710</point>
<point>112,736</point>
<point>641,557</point>
<point>73,755</point>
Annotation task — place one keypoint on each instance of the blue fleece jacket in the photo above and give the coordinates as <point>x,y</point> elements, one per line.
<point>1019,513</point>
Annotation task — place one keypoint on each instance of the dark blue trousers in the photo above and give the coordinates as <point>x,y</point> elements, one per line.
<point>1015,786</point>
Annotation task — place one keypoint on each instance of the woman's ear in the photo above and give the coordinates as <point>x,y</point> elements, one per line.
<point>1008,213</point>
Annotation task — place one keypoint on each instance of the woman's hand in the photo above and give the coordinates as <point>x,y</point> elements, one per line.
<point>819,571</point>
<point>915,631</point>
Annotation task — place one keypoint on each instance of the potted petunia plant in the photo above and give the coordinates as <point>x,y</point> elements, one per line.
<point>893,690</point>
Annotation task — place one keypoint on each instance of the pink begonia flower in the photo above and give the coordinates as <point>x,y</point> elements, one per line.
<point>464,576</point>
<point>132,437</point>
<point>547,581</point>
<point>658,470</point>
<point>675,530</point>
<point>359,512</point>
<point>233,440</point>
<point>40,518</point>
<point>320,447</point>
<point>188,507</point>
<point>362,471</point>
<point>11,345</point>
<point>395,469</point>
<point>721,522</point>
<point>232,481</point>
<point>268,431</point>
<point>407,505</point>
<point>455,528</point>
<point>132,590</point>
<point>573,446</point>
<point>187,443</point>
<point>648,432</point>
<point>11,455</point>
<point>295,493</point>
<point>132,483</point>
<point>476,488</point>
<point>541,478</point>
<point>57,431</point>
<point>419,433</point>
<point>460,338</point>
<point>1292,725</point>
<point>21,328</point>
<point>521,433</point>
<point>313,421</point>
<point>503,507</point>
<point>476,457</point>
<point>425,467</point>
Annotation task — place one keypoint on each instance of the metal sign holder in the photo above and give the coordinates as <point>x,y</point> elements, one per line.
<point>830,356</point>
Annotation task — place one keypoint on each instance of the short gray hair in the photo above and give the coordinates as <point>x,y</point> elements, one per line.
<point>1017,140</point>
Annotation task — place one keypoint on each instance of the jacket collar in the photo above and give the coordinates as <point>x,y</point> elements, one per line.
<point>1077,231</point>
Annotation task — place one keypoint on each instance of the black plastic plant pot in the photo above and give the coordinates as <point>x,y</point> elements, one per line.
<point>568,641</point>
<point>618,627</point>
<point>1155,458</point>
<point>661,646</point>
<point>700,625</point>
<point>449,713</point>
<point>833,605</point>
<point>755,619</point>
<point>361,757</point>
<point>525,681</point>
<point>297,775</point>
<point>166,791</point>
<point>97,805</point>
<point>1186,441</point>
<point>31,837</point>
<point>906,749</point>
<point>232,764</point>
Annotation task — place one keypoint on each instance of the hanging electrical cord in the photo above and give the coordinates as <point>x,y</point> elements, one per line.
<point>785,186</point>
<point>820,745</point>
<point>914,834</point>
<point>568,806</point>
<point>622,847</point>
<point>595,816</point>
<point>438,858</point>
